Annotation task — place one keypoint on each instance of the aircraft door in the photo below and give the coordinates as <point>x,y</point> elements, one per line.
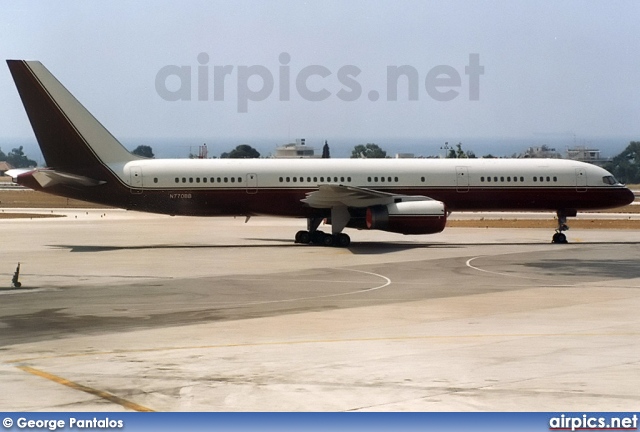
<point>581,180</point>
<point>252,183</point>
<point>136,179</point>
<point>462,179</point>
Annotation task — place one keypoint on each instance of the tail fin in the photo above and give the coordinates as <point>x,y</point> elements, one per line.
<point>70,138</point>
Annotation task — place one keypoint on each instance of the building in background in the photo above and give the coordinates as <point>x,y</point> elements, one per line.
<point>296,150</point>
<point>586,154</point>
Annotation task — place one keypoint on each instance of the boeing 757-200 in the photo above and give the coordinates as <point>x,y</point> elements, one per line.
<point>407,196</point>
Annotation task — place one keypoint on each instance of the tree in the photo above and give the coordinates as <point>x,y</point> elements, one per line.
<point>3,157</point>
<point>626,166</point>
<point>458,153</point>
<point>368,151</point>
<point>326,154</point>
<point>243,151</point>
<point>144,151</point>
<point>17,158</point>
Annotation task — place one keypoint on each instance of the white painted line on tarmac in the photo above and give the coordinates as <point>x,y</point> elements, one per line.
<point>468,263</point>
<point>384,285</point>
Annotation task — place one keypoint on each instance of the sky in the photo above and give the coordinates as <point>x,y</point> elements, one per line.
<point>404,74</point>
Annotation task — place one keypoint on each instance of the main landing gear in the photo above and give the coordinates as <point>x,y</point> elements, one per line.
<point>559,236</point>
<point>315,237</point>
<point>323,239</point>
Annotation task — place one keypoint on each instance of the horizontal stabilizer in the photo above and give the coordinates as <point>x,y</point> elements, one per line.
<point>14,173</point>
<point>48,178</point>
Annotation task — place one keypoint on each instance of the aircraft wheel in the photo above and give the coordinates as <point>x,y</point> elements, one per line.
<point>317,237</point>
<point>328,240</point>
<point>343,240</point>
<point>559,238</point>
<point>303,237</point>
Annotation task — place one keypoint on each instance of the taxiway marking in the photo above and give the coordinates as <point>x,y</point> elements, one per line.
<point>101,394</point>
<point>468,263</point>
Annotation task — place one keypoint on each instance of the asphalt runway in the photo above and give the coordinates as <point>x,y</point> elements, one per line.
<point>129,311</point>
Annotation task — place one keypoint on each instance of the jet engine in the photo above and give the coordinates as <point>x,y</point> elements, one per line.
<point>409,217</point>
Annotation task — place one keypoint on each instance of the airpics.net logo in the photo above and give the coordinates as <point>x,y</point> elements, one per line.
<point>257,83</point>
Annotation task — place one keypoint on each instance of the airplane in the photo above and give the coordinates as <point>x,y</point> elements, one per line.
<point>406,196</point>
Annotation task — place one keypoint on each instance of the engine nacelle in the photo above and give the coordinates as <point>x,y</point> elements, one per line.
<point>409,217</point>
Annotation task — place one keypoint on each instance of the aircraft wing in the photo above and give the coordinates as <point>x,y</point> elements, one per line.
<point>329,196</point>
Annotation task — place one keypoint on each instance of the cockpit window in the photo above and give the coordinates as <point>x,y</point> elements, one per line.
<point>610,180</point>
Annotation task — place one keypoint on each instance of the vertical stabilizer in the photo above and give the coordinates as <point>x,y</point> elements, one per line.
<point>70,138</point>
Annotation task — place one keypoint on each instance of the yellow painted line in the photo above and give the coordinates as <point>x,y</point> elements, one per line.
<point>101,394</point>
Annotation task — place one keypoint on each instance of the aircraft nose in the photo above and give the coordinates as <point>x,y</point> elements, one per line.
<point>626,196</point>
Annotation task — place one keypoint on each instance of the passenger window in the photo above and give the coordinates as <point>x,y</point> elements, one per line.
<point>535,179</point>
<point>197,179</point>
<point>382,179</point>
<point>190,179</point>
<point>233,179</point>
<point>177,180</point>
<point>501,179</point>
<point>495,179</point>
<point>489,179</point>
<point>155,179</point>
<point>521,179</point>
<point>226,179</point>
<point>422,179</point>
<point>349,179</point>
<point>482,179</point>
<point>555,179</point>
<point>548,178</point>
<point>184,180</point>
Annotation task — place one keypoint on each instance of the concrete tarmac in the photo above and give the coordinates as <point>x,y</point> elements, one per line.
<point>128,311</point>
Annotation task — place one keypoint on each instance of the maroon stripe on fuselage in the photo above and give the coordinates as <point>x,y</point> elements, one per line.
<point>286,202</point>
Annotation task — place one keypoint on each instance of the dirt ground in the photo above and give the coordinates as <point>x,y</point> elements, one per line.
<point>33,199</point>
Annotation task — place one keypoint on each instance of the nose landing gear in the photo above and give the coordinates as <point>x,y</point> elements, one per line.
<point>559,236</point>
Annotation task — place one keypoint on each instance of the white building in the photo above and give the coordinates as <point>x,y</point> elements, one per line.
<point>296,150</point>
